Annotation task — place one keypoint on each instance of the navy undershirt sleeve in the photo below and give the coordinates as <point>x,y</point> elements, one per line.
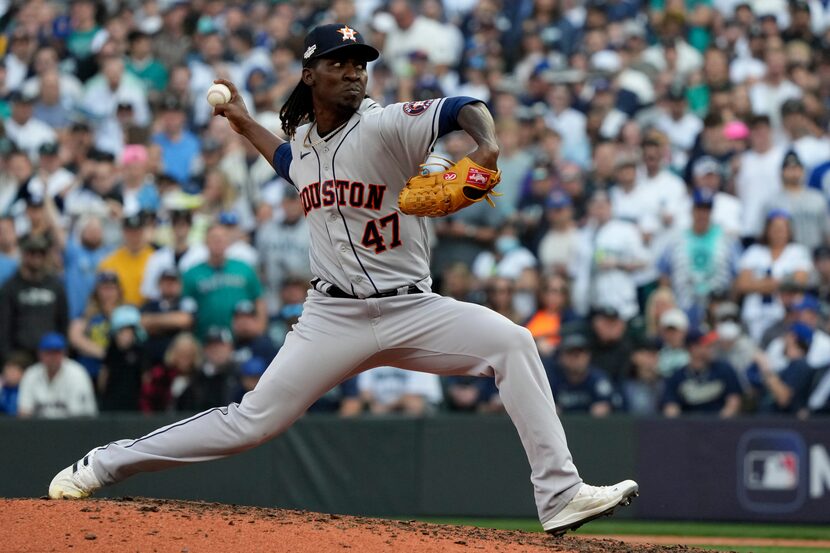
<point>282,161</point>
<point>448,119</point>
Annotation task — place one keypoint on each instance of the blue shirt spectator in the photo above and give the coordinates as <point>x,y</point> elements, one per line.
<point>81,259</point>
<point>10,378</point>
<point>179,147</point>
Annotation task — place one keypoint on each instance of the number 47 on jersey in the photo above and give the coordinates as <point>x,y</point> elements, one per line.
<point>373,233</point>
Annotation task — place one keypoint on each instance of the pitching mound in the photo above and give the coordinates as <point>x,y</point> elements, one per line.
<point>154,525</point>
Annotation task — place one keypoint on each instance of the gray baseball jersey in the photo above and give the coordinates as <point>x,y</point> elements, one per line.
<point>349,186</point>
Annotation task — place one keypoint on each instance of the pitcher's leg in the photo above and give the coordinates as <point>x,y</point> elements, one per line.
<point>450,337</point>
<point>316,356</point>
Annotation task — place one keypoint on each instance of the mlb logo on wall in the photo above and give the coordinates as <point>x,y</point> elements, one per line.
<point>772,471</point>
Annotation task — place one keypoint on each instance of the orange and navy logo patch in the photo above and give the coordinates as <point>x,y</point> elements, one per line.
<point>417,108</point>
<point>477,177</point>
<point>348,33</point>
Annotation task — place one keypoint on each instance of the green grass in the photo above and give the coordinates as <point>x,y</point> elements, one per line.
<point>660,528</point>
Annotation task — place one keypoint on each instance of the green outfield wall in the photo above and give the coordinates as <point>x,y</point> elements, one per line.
<point>464,465</point>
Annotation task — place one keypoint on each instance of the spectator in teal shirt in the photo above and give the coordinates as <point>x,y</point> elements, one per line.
<point>143,65</point>
<point>698,15</point>
<point>219,284</point>
<point>84,28</point>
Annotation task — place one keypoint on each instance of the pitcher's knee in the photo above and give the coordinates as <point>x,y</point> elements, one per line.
<point>512,339</point>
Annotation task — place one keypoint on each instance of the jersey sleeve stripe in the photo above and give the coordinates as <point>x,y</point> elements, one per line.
<point>281,161</point>
<point>448,120</point>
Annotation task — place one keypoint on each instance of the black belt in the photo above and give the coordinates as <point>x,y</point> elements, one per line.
<point>336,292</point>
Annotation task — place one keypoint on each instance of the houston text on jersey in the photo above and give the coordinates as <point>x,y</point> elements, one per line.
<point>344,192</point>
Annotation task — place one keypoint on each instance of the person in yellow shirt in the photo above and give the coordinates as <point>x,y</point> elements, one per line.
<point>130,260</point>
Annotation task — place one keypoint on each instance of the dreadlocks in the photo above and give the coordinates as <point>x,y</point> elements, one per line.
<point>297,109</point>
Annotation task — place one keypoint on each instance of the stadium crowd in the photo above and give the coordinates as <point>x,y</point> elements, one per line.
<point>663,231</point>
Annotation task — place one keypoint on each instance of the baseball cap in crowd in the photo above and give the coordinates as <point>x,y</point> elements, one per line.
<point>218,334</point>
<point>52,341</point>
<point>125,316</point>
<point>324,40</point>
<point>727,311</point>
<point>696,336</point>
<point>80,126</point>
<point>169,5</point>
<point>607,311</point>
<point>706,165</point>
<point>625,160</point>
<point>170,273</point>
<point>674,318</point>
<point>134,153</point>
<point>807,303</point>
<point>255,366</point>
<point>171,103</point>
<point>48,149</point>
<point>228,218</point>
<point>572,341</point>
<point>676,93</point>
<point>648,343</point>
<point>602,85</point>
<point>134,221</point>
<point>557,200</point>
<point>100,156</point>
<point>791,158</point>
<point>703,198</point>
<point>570,172</point>
<point>632,28</point>
<point>244,307</point>
<point>778,212</point>
<point>106,277</point>
<point>34,243</point>
<point>803,334</point>
<point>790,285</point>
<point>35,200</point>
<point>540,173</point>
<point>19,97</point>
<point>793,106</point>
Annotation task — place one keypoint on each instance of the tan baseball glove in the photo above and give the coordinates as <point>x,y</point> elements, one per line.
<point>435,194</point>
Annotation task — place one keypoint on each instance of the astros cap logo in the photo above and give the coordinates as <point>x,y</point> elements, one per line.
<point>347,32</point>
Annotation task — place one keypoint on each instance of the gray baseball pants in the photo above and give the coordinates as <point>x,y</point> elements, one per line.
<point>338,338</point>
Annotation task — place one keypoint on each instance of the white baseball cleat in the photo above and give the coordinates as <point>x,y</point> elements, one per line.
<point>591,502</point>
<point>76,481</point>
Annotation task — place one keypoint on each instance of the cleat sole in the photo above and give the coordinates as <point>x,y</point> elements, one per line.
<point>624,502</point>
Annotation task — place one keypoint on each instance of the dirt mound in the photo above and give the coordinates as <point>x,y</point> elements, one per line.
<point>154,525</point>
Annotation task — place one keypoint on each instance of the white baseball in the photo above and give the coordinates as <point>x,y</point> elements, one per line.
<point>435,164</point>
<point>218,94</point>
